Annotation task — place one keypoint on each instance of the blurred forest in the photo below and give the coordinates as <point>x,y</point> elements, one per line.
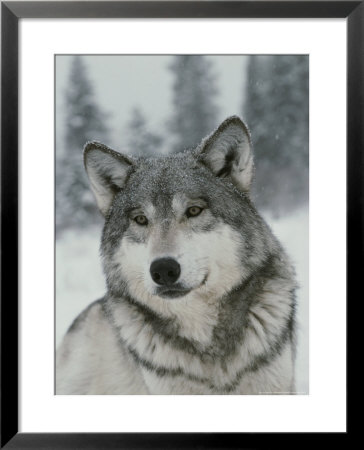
<point>274,104</point>
<point>277,112</point>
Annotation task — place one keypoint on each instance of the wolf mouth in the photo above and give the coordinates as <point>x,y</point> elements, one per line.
<point>177,291</point>
<point>173,293</point>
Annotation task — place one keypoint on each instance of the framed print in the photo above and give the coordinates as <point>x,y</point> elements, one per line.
<point>213,301</point>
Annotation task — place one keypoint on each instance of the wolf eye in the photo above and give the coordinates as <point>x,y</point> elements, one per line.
<point>141,220</point>
<point>193,211</point>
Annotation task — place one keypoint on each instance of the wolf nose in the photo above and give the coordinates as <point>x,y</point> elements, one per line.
<point>165,271</point>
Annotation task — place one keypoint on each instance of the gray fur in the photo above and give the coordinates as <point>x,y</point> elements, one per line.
<point>247,340</point>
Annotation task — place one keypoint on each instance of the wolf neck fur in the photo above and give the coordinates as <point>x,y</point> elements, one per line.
<point>212,328</point>
<point>251,328</point>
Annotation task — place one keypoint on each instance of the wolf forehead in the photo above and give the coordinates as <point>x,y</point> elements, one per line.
<point>172,180</point>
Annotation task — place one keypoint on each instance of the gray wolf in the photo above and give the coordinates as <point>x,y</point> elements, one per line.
<point>200,294</point>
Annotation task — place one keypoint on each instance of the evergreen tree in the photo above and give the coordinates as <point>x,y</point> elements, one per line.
<point>194,104</point>
<point>84,120</point>
<point>142,142</point>
<point>75,206</point>
<point>277,111</point>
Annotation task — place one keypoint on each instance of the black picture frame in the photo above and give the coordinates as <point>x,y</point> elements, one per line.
<point>11,12</point>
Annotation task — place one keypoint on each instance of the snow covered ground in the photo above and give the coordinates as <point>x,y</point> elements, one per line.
<point>79,278</point>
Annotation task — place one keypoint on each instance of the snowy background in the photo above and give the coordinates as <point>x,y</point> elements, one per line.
<point>160,104</point>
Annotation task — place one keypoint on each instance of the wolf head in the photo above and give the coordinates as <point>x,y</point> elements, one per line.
<point>183,225</point>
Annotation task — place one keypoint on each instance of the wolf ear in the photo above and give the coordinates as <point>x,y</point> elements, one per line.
<point>108,172</point>
<point>228,152</point>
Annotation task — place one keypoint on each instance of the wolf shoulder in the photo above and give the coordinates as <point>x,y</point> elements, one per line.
<point>91,360</point>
